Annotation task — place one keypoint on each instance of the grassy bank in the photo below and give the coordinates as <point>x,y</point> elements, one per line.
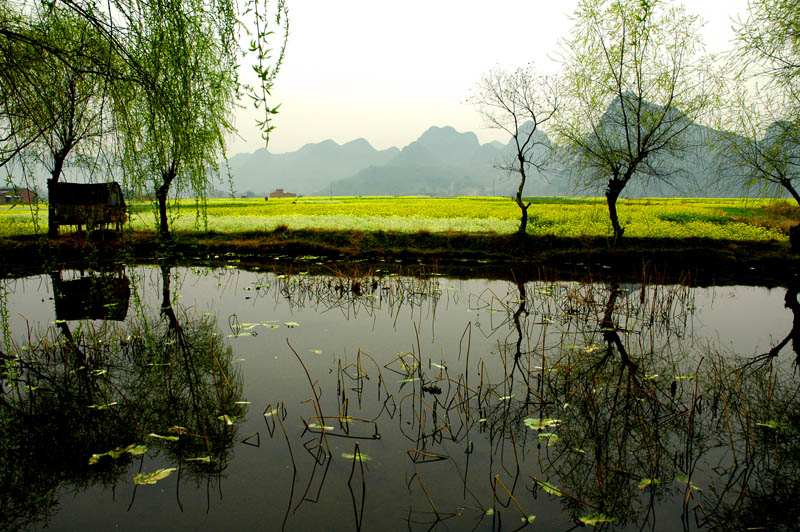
<point>660,218</point>
<point>707,261</point>
<point>717,240</point>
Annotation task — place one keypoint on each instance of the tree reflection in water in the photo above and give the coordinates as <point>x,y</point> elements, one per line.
<point>562,401</point>
<point>603,402</point>
<point>159,390</point>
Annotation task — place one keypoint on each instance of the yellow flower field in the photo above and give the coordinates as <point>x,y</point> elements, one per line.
<point>731,219</point>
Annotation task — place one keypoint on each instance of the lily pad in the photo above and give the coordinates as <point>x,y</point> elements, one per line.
<point>151,478</point>
<point>540,423</point>
<point>645,482</point>
<point>549,488</point>
<point>360,456</point>
<point>316,426</point>
<point>227,419</point>
<point>550,437</point>
<point>160,437</point>
<point>595,518</point>
<point>772,424</point>
<point>132,449</point>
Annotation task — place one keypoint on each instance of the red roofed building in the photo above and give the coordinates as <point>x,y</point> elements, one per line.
<point>279,193</point>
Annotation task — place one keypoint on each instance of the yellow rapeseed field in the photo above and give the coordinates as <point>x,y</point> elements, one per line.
<point>731,219</point>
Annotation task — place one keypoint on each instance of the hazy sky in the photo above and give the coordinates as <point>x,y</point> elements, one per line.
<point>387,70</point>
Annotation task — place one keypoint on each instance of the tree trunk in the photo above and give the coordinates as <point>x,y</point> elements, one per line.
<point>794,232</point>
<point>613,191</point>
<point>58,166</point>
<point>161,195</point>
<point>523,223</point>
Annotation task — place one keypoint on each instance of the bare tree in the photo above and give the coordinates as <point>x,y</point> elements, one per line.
<point>764,102</point>
<point>518,103</point>
<point>633,84</point>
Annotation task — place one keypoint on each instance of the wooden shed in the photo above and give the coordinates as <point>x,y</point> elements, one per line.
<point>90,204</point>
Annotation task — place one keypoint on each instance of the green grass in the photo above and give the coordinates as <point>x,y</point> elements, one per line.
<point>667,218</point>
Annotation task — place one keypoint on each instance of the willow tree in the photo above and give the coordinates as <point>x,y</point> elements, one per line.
<point>518,103</point>
<point>174,117</point>
<point>633,85</point>
<point>18,126</point>
<point>171,69</point>
<point>68,96</point>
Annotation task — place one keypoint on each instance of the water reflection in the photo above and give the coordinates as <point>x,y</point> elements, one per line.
<point>81,405</point>
<point>530,401</point>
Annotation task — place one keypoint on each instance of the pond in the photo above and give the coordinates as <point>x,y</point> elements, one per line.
<point>153,397</point>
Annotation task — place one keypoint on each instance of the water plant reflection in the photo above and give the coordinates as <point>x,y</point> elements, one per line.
<point>84,404</point>
<point>593,400</point>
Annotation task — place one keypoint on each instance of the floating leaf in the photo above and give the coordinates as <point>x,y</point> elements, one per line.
<point>772,424</point>
<point>102,407</point>
<point>132,449</point>
<point>160,437</point>
<point>315,426</point>
<point>138,450</point>
<point>227,419</point>
<point>595,518</point>
<point>683,377</point>
<point>271,412</point>
<point>316,351</point>
<point>540,423</point>
<point>645,482</point>
<point>360,456</point>
<point>506,397</point>
<point>682,479</point>
<point>490,511</point>
<point>204,459</point>
<point>151,478</point>
<point>237,335</point>
<point>291,324</point>
<point>528,519</point>
<point>177,429</point>
<point>549,488</point>
<point>551,438</point>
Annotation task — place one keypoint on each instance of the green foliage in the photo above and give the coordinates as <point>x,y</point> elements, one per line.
<point>634,83</point>
<point>764,98</point>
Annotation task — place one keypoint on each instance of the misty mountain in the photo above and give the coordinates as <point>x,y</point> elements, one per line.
<point>312,167</point>
<point>446,162</point>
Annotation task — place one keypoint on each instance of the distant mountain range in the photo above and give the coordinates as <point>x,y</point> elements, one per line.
<point>446,162</point>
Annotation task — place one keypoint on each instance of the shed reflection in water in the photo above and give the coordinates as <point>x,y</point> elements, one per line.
<point>382,401</point>
<point>99,402</point>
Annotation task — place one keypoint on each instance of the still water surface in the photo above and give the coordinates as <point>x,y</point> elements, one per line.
<point>230,399</point>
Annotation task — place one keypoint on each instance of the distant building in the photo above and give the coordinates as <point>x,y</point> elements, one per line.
<point>279,193</point>
<point>11,196</point>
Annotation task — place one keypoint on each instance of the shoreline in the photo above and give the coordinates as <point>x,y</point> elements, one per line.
<point>704,261</point>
